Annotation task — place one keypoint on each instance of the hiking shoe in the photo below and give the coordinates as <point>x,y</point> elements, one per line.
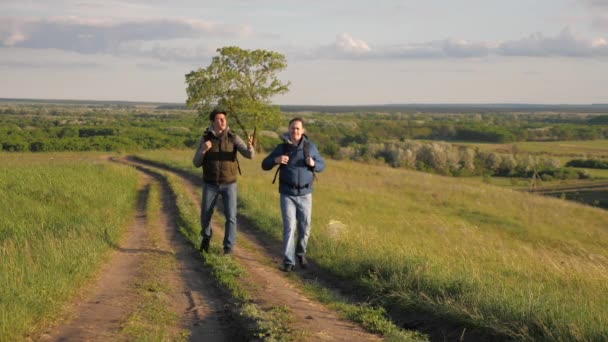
<point>287,268</point>
<point>205,244</point>
<point>227,251</point>
<point>302,261</point>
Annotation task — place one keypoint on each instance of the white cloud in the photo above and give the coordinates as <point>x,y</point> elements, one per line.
<point>93,36</point>
<point>599,42</point>
<point>597,4</point>
<point>349,47</point>
<point>48,65</point>
<point>346,43</point>
<point>189,40</point>
<point>564,44</point>
<point>598,10</point>
<point>600,21</point>
<point>178,51</point>
<point>344,46</point>
<point>447,48</point>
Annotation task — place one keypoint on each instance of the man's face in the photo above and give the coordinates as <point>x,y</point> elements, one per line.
<point>219,122</point>
<point>296,130</point>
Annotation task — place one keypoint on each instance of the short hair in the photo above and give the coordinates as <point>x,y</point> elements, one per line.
<point>215,112</point>
<point>297,118</point>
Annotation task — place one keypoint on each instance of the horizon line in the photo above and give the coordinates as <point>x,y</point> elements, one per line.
<point>535,104</point>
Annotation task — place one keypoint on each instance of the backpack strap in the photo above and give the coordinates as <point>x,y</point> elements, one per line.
<point>236,158</point>
<point>284,147</point>
<point>276,174</point>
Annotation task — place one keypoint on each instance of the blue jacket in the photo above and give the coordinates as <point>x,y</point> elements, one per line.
<point>295,177</point>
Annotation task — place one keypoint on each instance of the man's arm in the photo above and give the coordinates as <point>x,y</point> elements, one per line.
<point>269,162</point>
<point>246,150</point>
<point>197,160</point>
<point>316,156</point>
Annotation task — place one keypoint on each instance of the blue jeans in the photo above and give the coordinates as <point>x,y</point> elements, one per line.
<point>296,213</point>
<point>211,192</point>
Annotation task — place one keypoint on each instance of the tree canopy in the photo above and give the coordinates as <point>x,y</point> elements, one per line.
<point>242,82</point>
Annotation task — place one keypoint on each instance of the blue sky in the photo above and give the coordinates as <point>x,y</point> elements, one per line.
<point>338,52</point>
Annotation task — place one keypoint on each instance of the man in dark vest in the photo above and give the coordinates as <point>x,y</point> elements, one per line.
<point>217,154</point>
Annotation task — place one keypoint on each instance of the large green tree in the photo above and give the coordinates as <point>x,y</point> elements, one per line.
<point>241,81</point>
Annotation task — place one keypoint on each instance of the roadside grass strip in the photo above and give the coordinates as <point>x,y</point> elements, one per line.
<point>59,216</point>
<point>372,318</point>
<point>266,324</point>
<point>152,320</point>
<point>496,261</point>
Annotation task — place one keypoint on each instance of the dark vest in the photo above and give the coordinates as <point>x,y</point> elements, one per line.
<point>220,164</point>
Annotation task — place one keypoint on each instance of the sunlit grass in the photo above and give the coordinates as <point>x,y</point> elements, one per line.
<point>59,215</point>
<point>518,263</point>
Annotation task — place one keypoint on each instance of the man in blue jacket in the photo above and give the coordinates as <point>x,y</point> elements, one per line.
<point>298,160</point>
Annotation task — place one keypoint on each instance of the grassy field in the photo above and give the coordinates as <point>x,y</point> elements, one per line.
<point>516,263</point>
<point>59,215</point>
<point>564,151</point>
<point>570,149</point>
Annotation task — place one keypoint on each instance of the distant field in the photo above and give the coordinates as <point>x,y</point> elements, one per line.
<point>59,215</point>
<point>590,191</point>
<point>596,173</point>
<point>572,149</point>
<point>521,264</point>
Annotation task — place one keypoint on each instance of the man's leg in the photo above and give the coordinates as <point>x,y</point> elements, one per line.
<point>229,197</point>
<point>304,214</point>
<point>288,213</point>
<point>210,193</point>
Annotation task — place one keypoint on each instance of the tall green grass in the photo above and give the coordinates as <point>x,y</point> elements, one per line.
<point>518,264</point>
<point>59,215</point>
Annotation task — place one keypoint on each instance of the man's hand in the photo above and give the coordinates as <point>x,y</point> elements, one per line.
<point>206,147</point>
<point>281,159</point>
<point>310,162</point>
<point>249,141</point>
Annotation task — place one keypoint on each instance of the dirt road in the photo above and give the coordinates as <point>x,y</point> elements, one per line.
<point>101,312</point>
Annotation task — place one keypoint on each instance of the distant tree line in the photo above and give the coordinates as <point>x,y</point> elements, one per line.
<point>588,163</point>
<point>419,141</point>
<point>452,160</point>
<point>346,129</point>
<point>45,129</point>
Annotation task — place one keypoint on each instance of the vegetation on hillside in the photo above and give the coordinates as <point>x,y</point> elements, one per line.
<point>460,253</point>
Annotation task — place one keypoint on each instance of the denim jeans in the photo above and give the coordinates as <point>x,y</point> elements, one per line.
<point>296,213</point>
<point>211,192</point>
